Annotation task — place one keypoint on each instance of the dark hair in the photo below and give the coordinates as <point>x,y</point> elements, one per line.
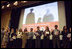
<point>56,25</point>
<point>20,30</point>
<point>38,27</point>
<point>3,28</point>
<point>12,29</point>
<point>70,29</point>
<point>31,29</point>
<point>31,9</point>
<point>64,28</point>
<point>47,28</point>
<point>25,29</point>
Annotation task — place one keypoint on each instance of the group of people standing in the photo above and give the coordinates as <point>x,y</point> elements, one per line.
<point>18,38</point>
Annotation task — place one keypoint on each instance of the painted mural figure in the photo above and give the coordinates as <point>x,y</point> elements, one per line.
<point>30,19</point>
<point>48,17</point>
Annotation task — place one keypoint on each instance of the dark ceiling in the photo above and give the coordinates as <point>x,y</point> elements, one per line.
<point>20,4</point>
<point>3,2</point>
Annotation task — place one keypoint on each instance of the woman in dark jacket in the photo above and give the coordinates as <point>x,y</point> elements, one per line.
<point>11,34</point>
<point>46,37</point>
<point>65,39</point>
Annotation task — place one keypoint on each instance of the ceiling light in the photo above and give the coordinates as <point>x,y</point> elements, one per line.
<point>8,5</point>
<point>2,7</point>
<point>23,1</point>
<point>16,3</point>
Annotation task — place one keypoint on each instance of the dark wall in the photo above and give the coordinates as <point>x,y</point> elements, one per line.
<point>68,13</point>
<point>15,15</point>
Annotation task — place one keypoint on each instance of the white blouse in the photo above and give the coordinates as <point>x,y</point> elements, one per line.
<point>19,34</point>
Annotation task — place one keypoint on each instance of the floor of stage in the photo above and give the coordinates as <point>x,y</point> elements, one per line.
<point>32,44</point>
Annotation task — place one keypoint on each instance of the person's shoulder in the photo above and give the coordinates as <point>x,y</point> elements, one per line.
<point>9,33</point>
<point>49,30</point>
<point>32,12</point>
<point>62,31</point>
<point>53,30</point>
<point>58,30</point>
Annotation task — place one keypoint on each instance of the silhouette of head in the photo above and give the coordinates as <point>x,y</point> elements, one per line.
<point>38,28</point>
<point>56,26</point>
<point>31,29</point>
<point>31,10</point>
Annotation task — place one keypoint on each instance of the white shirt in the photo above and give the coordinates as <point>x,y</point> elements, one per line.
<point>34,37</point>
<point>47,32</point>
<point>14,37</point>
<point>42,36</point>
<point>61,37</point>
<point>19,34</point>
<point>69,35</point>
<point>51,37</point>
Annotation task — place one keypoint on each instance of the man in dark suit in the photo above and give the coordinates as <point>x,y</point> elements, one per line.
<point>38,36</point>
<point>56,33</point>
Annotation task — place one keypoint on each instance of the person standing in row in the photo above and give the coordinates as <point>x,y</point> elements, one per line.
<point>12,33</point>
<point>19,38</point>
<point>24,38</point>
<point>31,33</point>
<point>64,33</point>
<point>46,37</point>
<point>38,37</point>
<point>5,38</point>
<point>30,38</point>
<point>2,33</point>
<point>69,38</point>
<point>56,33</point>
